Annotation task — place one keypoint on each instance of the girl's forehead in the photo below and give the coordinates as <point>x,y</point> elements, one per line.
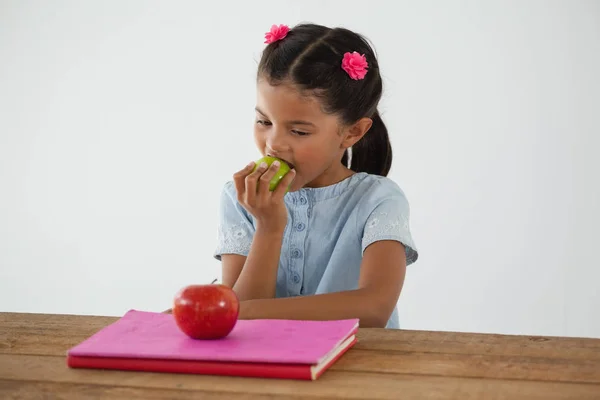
<point>285,99</point>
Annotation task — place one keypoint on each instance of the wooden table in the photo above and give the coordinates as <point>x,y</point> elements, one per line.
<point>385,364</point>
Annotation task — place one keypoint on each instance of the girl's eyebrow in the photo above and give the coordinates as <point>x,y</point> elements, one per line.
<point>294,122</point>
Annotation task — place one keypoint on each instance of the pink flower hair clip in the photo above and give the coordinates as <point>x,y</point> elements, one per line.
<point>355,65</point>
<point>276,33</point>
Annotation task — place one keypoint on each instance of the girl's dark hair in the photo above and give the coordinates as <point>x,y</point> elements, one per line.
<point>310,57</point>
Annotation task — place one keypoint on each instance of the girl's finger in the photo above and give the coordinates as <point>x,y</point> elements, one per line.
<point>251,182</point>
<point>245,171</point>
<point>284,184</point>
<point>265,179</point>
<point>239,180</point>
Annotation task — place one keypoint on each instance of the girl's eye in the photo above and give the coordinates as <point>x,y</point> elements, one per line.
<point>268,123</point>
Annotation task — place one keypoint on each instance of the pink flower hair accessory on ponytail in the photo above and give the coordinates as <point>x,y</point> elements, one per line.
<point>355,65</point>
<point>276,33</point>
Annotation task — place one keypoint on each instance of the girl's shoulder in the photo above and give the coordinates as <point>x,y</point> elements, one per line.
<point>384,214</point>
<point>380,186</point>
<point>373,190</point>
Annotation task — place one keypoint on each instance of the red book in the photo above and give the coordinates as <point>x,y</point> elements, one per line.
<point>147,341</point>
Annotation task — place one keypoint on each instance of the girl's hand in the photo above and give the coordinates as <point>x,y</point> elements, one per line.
<point>268,208</point>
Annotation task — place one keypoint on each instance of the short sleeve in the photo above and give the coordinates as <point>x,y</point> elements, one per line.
<point>235,228</point>
<point>389,220</point>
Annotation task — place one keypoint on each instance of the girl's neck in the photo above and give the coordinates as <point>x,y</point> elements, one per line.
<point>331,176</point>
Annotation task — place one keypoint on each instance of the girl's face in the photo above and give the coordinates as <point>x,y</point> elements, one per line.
<point>293,127</point>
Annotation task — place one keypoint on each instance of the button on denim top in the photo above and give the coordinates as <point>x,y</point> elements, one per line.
<point>327,231</point>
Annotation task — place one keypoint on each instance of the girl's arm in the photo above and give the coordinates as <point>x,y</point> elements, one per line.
<point>381,279</point>
<point>255,276</point>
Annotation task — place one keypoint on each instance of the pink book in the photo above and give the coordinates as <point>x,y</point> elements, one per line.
<point>148,341</point>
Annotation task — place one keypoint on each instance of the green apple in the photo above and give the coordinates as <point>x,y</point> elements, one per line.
<point>284,168</point>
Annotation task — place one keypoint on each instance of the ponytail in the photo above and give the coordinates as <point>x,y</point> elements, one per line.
<point>373,153</point>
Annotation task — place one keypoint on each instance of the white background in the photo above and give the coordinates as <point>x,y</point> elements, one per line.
<point>120,121</point>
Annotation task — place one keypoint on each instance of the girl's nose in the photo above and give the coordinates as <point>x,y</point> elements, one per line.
<point>277,143</point>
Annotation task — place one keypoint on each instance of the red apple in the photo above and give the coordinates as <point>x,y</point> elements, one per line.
<point>206,311</point>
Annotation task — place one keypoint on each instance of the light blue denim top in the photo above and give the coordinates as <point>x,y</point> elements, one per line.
<point>327,232</point>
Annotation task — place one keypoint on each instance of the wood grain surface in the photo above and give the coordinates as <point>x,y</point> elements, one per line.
<point>384,364</point>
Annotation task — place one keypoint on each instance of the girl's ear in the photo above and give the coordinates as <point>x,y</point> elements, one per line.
<point>355,132</point>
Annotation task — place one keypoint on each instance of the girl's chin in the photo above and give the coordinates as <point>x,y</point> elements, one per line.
<point>295,186</point>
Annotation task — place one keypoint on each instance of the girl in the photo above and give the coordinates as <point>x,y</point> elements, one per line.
<point>337,244</point>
